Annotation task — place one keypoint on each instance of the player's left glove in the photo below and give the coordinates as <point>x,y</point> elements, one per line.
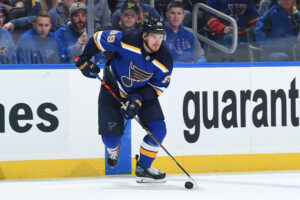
<point>133,105</point>
<point>86,66</point>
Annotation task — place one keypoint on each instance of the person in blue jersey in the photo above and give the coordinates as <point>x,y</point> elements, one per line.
<point>138,73</point>
<point>7,45</point>
<point>145,11</point>
<point>72,37</point>
<point>180,40</point>
<point>276,31</point>
<point>38,45</point>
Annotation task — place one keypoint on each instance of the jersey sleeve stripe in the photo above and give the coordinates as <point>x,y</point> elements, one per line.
<point>97,38</point>
<point>131,48</point>
<point>160,66</point>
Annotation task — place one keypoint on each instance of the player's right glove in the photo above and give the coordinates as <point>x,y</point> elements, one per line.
<point>133,105</point>
<point>86,66</point>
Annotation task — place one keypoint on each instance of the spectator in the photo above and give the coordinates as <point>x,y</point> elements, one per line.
<point>60,15</point>
<point>38,45</point>
<point>72,37</point>
<point>128,17</point>
<point>128,20</point>
<point>245,14</point>
<point>276,31</point>
<point>7,46</point>
<point>59,18</point>
<point>180,40</point>
<point>145,11</point>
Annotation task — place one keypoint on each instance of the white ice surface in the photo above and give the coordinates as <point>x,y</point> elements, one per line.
<point>235,186</point>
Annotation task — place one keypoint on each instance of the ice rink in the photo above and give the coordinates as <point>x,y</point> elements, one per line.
<point>234,186</point>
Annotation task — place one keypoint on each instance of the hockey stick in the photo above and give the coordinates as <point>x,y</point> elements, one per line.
<point>145,128</point>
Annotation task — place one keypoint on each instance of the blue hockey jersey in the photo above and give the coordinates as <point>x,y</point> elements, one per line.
<point>7,48</point>
<point>132,67</point>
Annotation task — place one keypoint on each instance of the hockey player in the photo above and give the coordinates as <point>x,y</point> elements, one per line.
<point>139,72</point>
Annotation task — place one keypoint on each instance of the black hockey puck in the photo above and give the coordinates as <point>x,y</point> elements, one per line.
<point>188,185</point>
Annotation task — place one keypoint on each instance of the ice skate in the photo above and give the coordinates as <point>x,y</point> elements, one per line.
<point>113,156</point>
<point>148,175</point>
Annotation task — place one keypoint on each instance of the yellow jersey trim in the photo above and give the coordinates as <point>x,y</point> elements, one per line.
<point>160,66</point>
<point>131,48</point>
<point>95,40</point>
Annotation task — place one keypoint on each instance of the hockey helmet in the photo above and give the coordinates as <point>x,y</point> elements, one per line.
<point>154,25</point>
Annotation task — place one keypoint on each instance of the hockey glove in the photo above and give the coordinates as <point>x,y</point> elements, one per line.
<point>86,66</point>
<point>133,105</point>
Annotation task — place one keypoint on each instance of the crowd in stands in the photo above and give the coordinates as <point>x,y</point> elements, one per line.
<point>55,31</point>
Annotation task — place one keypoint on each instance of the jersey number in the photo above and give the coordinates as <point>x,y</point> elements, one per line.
<point>112,36</point>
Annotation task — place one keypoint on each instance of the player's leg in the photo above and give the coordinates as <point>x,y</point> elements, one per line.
<point>148,152</point>
<point>111,125</point>
<point>113,146</point>
<point>152,116</point>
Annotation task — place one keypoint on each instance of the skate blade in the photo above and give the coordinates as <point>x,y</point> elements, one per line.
<point>149,180</point>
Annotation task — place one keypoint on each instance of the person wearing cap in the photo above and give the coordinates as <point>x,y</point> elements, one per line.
<point>72,37</point>
<point>38,45</point>
<point>7,45</point>
<point>128,17</point>
<point>145,11</point>
<point>181,41</point>
<point>138,73</point>
<point>128,20</point>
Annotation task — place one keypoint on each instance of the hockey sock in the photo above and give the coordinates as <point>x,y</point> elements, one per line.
<point>149,147</point>
<point>111,142</point>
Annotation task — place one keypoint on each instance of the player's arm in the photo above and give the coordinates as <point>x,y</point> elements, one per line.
<point>108,40</point>
<point>101,41</point>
